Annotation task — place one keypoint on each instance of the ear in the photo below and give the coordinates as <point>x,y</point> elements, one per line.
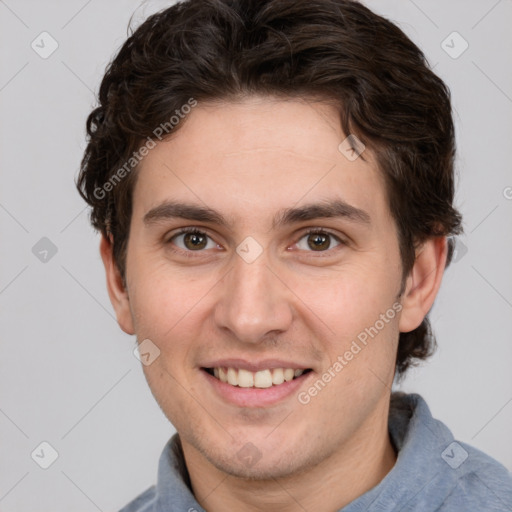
<point>116,289</point>
<point>423,282</point>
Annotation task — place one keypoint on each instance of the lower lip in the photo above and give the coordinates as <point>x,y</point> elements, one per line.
<point>256,397</point>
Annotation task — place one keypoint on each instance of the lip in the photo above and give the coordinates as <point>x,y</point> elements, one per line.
<point>254,366</point>
<point>255,397</point>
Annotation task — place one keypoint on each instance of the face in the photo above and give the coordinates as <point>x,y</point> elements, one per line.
<point>285,283</point>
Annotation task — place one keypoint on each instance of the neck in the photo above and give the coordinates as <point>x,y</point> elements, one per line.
<point>355,468</point>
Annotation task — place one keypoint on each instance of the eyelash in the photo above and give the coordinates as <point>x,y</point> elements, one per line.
<point>309,231</point>
<point>321,231</point>
<point>184,231</point>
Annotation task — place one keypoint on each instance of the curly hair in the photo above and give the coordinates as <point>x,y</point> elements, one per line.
<point>338,50</point>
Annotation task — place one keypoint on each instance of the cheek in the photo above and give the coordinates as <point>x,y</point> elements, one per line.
<point>168,311</point>
<point>164,299</point>
<point>348,300</point>
<point>356,310</point>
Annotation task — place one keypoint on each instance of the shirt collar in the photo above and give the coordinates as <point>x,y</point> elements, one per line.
<point>418,438</point>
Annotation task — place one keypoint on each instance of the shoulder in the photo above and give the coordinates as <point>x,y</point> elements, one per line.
<point>482,483</point>
<point>441,473</point>
<point>145,502</point>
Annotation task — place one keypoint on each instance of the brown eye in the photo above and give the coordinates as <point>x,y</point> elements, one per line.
<point>192,241</point>
<point>318,241</point>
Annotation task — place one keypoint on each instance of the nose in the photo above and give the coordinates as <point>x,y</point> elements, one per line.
<point>254,303</point>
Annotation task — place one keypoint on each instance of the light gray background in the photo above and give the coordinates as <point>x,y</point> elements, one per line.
<point>68,375</point>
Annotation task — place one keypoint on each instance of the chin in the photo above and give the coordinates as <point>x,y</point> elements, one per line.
<point>260,470</point>
<point>262,460</point>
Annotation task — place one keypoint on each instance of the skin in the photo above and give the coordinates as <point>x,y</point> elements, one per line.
<point>293,302</point>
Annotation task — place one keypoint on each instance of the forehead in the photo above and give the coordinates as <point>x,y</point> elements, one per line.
<point>257,156</point>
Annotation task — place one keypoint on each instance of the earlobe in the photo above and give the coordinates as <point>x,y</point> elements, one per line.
<point>423,282</point>
<point>116,288</point>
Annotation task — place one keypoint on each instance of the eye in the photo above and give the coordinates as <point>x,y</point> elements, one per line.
<point>318,240</point>
<point>192,240</point>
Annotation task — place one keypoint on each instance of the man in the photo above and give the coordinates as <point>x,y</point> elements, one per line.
<point>273,181</point>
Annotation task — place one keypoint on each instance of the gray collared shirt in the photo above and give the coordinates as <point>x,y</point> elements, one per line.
<point>433,472</point>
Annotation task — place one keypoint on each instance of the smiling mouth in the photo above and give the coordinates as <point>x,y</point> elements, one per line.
<point>260,379</point>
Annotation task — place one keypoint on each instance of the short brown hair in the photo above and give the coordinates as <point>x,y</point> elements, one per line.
<point>338,50</point>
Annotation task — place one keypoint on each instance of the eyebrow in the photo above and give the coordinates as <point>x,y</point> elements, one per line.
<point>335,208</point>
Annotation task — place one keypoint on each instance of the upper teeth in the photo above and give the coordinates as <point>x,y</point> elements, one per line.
<point>262,379</point>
